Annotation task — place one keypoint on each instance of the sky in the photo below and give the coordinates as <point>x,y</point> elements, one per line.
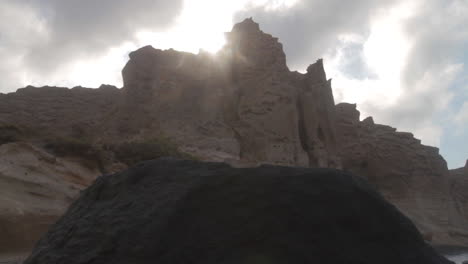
<point>402,61</point>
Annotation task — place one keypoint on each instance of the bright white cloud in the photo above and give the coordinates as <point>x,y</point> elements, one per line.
<point>55,42</point>
<point>384,51</point>
<point>201,25</point>
<point>461,118</point>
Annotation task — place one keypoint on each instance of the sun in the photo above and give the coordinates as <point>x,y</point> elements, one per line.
<point>202,23</point>
<point>200,26</point>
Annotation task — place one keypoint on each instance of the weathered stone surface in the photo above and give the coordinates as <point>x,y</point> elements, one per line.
<point>36,188</point>
<point>412,176</point>
<point>76,112</point>
<point>174,211</point>
<point>459,191</point>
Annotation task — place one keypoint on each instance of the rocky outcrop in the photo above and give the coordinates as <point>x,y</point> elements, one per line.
<point>412,176</point>
<point>36,188</point>
<point>174,211</point>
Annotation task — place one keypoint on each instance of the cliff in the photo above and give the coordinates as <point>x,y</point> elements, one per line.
<point>242,106</point>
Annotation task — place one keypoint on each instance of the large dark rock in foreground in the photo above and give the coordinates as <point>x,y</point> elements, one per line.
<point>173,211</point>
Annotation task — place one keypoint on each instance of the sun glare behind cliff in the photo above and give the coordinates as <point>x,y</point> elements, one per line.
<point>198,27</point>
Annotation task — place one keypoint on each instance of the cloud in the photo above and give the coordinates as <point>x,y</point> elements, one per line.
<point>461,118</point>
<point>438,36</point>
<point>310,29</point>
<point>40,37</point>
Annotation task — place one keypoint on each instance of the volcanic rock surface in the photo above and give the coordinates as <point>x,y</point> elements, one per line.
<point>243,106</point>
<point>176,211</point>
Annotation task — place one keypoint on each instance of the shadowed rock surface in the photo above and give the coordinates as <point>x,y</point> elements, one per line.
<point>176,211</point>
<point>459,191</point>
<point>412,176</point>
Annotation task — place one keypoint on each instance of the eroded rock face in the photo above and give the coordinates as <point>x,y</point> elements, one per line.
<point>412,176</point>
<point>77,112</point>
<point>173,211</point>
<point>458,190</point>
<point>36,188</point>
<point>243,106</point>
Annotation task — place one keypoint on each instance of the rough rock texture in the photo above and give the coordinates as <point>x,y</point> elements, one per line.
<point>174,211</point>
<point>459,192</point>
<point>36,188</point>
<point>76,112</point>
<point>412,176</point>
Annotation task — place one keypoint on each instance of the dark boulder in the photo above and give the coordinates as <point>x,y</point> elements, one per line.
<point>173,211</point>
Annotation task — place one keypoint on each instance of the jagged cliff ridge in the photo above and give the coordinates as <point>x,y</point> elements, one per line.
<point>242,106</point>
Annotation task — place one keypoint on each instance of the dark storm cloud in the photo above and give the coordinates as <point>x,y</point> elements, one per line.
<point>87,27</point>
<point>47,34</point>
